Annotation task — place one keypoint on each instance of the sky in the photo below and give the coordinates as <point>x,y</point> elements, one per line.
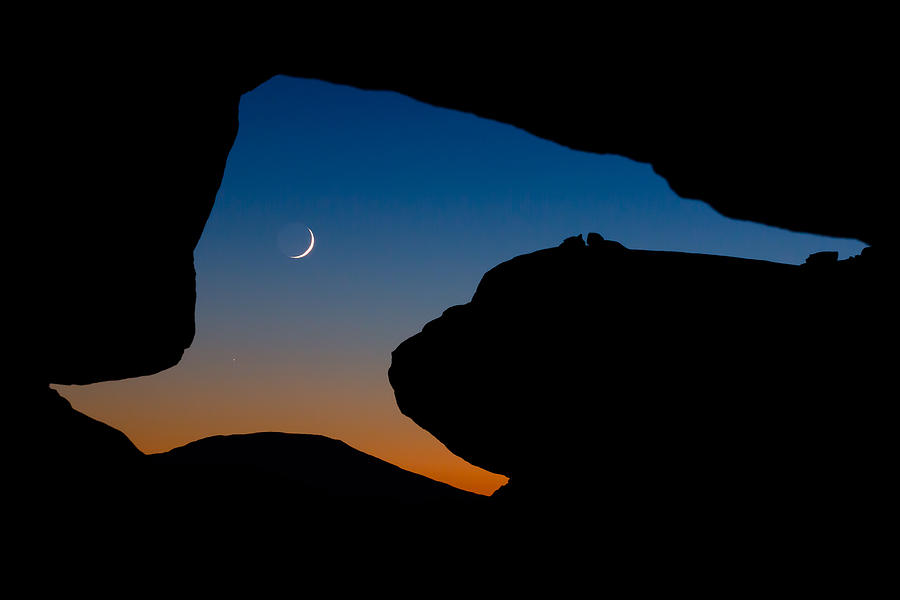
<point>410,205</point>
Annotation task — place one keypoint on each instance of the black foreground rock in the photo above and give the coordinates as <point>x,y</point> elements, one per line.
<point>663,395</point>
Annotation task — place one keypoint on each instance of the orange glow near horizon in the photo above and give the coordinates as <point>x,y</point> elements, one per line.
<point>173,408</point>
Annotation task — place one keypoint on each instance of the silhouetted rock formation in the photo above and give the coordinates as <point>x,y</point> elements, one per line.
<point>678,388</point>
<point>129,150</point>
<point>72,472</point>
<point>314,466</point>
<point>53,438</point>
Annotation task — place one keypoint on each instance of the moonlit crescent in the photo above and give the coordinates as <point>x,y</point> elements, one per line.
<point>312,242</point>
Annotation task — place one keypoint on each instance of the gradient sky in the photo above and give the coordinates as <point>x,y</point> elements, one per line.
<point>410,205</point>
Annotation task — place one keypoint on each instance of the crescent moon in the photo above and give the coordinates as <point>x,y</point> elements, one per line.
<point>312,242</point>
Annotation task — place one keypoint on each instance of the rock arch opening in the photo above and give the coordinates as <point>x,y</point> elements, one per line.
<point>412,204</point>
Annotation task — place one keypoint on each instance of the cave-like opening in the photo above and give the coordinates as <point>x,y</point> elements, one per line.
<point>411,204</point>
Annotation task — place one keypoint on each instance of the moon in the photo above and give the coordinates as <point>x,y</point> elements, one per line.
<point>312,242</point>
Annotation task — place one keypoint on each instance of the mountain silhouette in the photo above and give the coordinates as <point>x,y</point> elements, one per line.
<point>314,466</point>
<point>74,474</point>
